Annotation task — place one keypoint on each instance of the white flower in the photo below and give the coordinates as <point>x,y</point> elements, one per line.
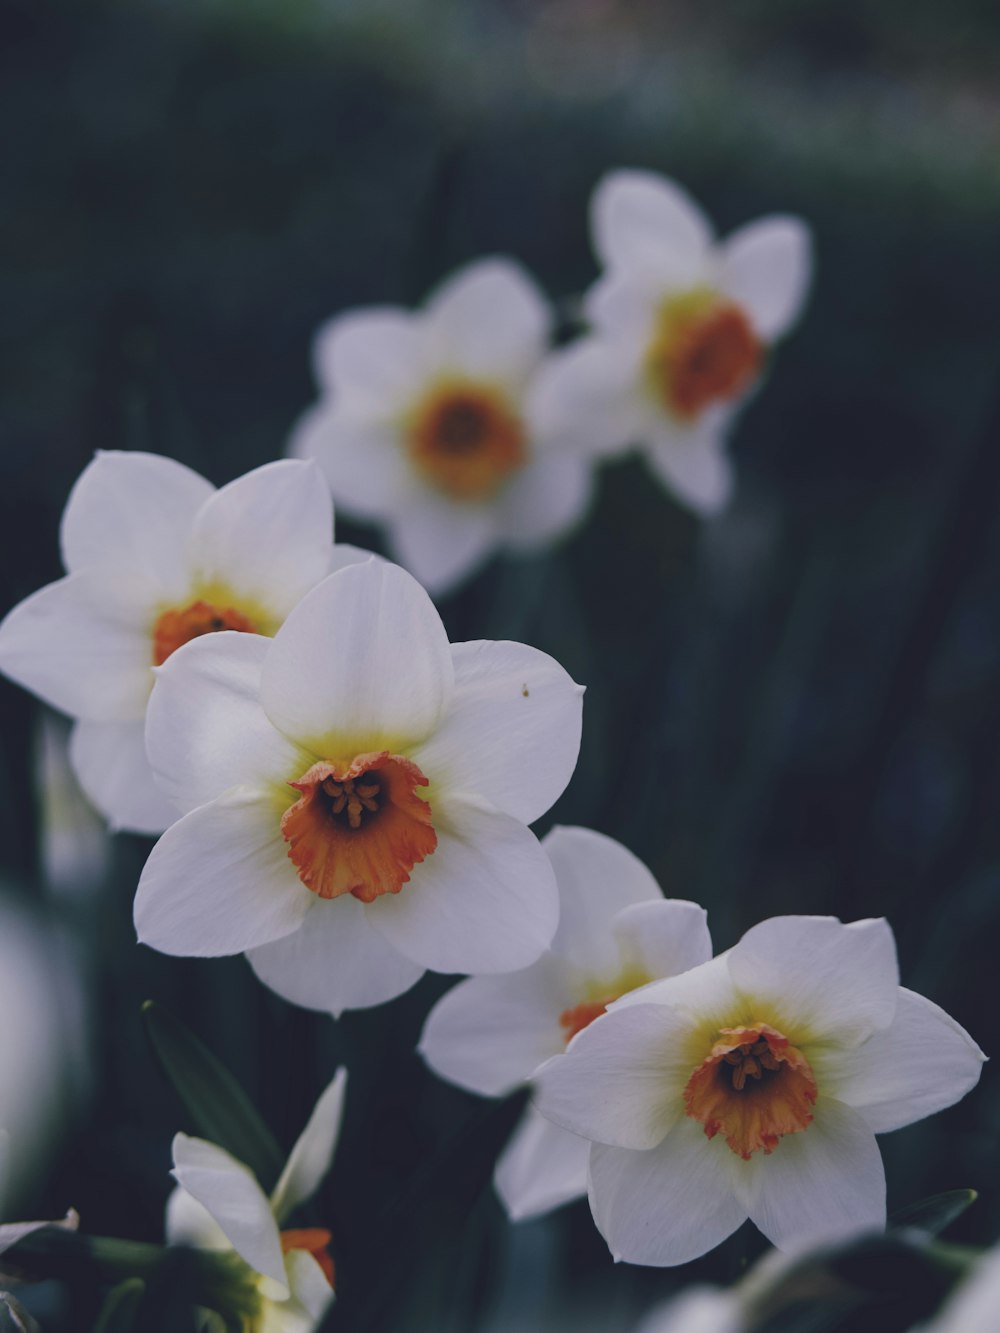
<point>697,1310</point>
<point>681,328</point>
<point>426,424</point>
<point>490,1034</point>
<point>972,1306</point>
<point>359,791</point>
<point>753,1086</point>
<point>155,555</point>
<point>219,1205</point>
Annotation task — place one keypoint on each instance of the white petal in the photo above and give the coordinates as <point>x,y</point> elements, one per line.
<point>668,1205</point>
<point>663,938</point>
<point>820,977</point>
<point>705,993</point>
<point>545,500</point>
<point>642,222</point>
<point>189,1222</point>
<point>767,267</point>
<point>335,961</point>
<point>267,536</point>
<point>109,759</point>
<point>621,1078</point>
<point>441,541</point>
<point>972,1304</point>
<point>373,360</point>
<point>512,731</point>
<point>133,511</point>
<point>820,1185</point>
<point>205,729</point>
<point>312,1155</point>
<point>83,646</point>
<point>492,318</point>
<point>311,1293</point>
<point>697,1310</point>
<point>484,901</point>
<point>361,459</point>
<point>921,1063</point>
<point>363,661</point>
<point>622,308</point>
<point>693,464</point>
<point>490,1034</point>
<point>219,881</point>
<point>597,879</point>
<point>541,1168</point>
<point>585,397</point>
<point>231,1194</point>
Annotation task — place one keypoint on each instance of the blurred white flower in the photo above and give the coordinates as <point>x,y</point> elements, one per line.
<point>219,1205</point>
<point>697,1310</point>
<point>426,424</point>
<point>359,791</point>
<point>490,1034</point>
<point>972,1307</point>
<point>75,848</point>
<point>753,1086</point>
<point>681,329</point>
<point>156,556</point>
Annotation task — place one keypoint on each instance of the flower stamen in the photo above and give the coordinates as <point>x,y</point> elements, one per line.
<point>180,625</point>
<point>466,440</point>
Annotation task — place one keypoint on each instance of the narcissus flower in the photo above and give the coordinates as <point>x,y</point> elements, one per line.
<point>490,1034</point>
<point>426,424</point>
<point>219,1205</point>
<point>682,326</point>
<point>358,793</point>
<point>753,1086</point>
<point>156,556</point>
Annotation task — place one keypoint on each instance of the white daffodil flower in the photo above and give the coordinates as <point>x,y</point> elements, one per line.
<point>219,1205</point>
<point>490,1034</point>
<point>358,792</point>
<point>426,424</point>
<point>681,329</point>
<point>155,556</point>
<point>753,1086</point>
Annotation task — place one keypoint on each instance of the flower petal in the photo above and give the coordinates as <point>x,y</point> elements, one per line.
<point>440,541</point>
<point>585,398</point>
<point>310,1159</point>
<point>219,881</point>
<point>541,1168</point>
<point>485,901</point>
<point>361,459</point>
<point>362,661</point>
<point>336,961</point>
<point>921,1063</point>
<point>512,732</point>
<point>821,1185</point>
<point>232,1196</point>
<point>668,1205</point>
<point>663,938</point>
<point>643,222</point>
<point>819,976</point>
<point>82,645</point>
<point>693,464</point>
<point>312,1294</point>
<point>697,1310</point>
<point>109,759</point>
<point>205,729</point>
<point>490,1034</point>
<point>373,360</point>
<point>492,318</point>
<point>268,535</point>
<point>621,1078</point>
<point>135,511</point>
<point>189,1222</point>
<point>766,267</point>
<point>545,500</point>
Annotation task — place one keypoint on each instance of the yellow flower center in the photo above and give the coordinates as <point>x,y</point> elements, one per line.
<point>754,1087</point>
<point>704,351</point>
<point>179,625</point>
<point>466,441</point>
<point>359,827</point>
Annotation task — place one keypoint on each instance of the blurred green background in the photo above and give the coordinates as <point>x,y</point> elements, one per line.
<point>794,708</point>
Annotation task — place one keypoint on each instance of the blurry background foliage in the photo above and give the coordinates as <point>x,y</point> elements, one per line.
<point>795,708</point>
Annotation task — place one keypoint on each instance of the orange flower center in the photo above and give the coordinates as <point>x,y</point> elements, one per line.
<point>359,827</point>
<point>582,1015</point>
<point>315,1241</point>
<point>754,1088</point>
<point>466,441</point>
<point>705,351</point>
<point>175,628</point>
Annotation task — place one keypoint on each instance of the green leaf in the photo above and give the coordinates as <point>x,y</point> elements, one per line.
<point>220,1110</point>
<point>119,1310</point>
<point>934,1214</point>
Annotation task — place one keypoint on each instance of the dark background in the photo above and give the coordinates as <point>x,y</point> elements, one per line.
<point>793,708</point>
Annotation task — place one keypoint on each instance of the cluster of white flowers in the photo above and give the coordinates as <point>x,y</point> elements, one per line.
<point>345,796</point>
